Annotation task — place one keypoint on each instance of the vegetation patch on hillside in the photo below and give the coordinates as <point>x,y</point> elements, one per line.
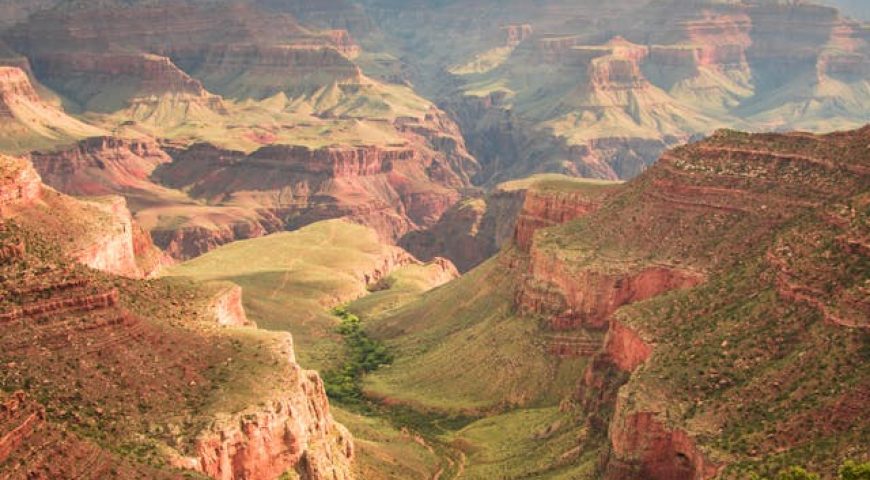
<point>364,355</point>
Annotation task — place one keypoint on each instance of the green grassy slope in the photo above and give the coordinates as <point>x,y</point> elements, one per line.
<point>291,279</point>
<point>468,325</point>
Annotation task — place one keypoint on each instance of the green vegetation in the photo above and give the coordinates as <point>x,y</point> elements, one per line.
<point>364,355</point>
<point>525,443</point>
<point>850,470</point>
<point>291,279</point>
<point>385,450</point>
<point>469,325</point>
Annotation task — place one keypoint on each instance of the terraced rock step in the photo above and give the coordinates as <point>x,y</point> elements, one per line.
<point>569,346</point>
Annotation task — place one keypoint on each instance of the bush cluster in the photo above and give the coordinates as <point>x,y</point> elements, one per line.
<point>364,355</point>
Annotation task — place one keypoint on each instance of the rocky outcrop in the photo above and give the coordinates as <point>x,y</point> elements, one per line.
<point>116,243</point>
<point>643,447</point>
<point>546,209</point>
<point>625,347</point>
<point>229,310</point>
<point>20,185</point>
<point>295,433</point>
<point>586,297</point>
<point>100,166</point>
<point>112,251</point>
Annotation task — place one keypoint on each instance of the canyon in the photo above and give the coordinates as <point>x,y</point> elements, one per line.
<point>666,366</point>
<point>470,239</point>
<point>601,92</point>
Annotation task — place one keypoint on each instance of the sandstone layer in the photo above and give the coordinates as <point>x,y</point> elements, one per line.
<point>121,359</point>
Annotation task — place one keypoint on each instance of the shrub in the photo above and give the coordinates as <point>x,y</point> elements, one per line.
<point>855,471</point>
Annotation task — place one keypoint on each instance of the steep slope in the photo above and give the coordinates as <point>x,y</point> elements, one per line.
<point>98,232</point>
<point>292,279</point>
<point>139,378</point>
<point>716,307</point>
<point>28,122</point>
<point>704,395</point>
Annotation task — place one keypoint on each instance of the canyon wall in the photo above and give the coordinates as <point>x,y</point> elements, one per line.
<point>291,433</point>
<point>100,166</point>
<point>393,190</point>
<point>229,309</point>
<point>109,337</point>
<point>112,251</point>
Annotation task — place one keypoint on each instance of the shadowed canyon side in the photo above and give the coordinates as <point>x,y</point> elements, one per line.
<point>139,377</point>
<point>477,228</point>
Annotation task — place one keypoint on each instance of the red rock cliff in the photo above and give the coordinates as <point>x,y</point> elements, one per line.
<point>19,183</point>
<point>100,166</point>
<point>546,209</point>
<point>625,347</point>
<point>643,447</point>
<point>293,433</point>
<point>586,297</point>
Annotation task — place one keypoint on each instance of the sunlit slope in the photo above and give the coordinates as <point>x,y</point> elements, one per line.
<point>760,365</point>
<point>28,122</point>
<point>291,279</point>
<point>468,325</point>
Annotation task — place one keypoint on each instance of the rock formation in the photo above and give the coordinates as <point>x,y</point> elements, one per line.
<point>263,443</point>
<point>602,92</point>
<point>257,98</point>
<point>29,122</point>
<point>228,308</point>
<point>121,359</point>
<point>100,166</point>
<point>393,190</point>
<point>719,185</point>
